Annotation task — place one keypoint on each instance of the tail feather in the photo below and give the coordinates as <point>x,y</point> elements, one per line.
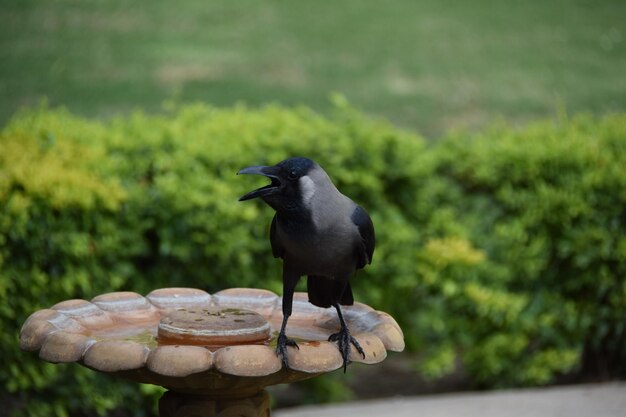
<point>347,299</point>
<point>325,292</point>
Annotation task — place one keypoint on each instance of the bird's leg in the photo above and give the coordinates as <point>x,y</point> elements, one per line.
<point>289,285</point>
<point>283,341</point>
<point>343,339</point>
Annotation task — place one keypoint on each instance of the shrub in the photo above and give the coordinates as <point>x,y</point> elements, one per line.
<point>505,249</point>
<point>547,207</point>
<point>145,202</point>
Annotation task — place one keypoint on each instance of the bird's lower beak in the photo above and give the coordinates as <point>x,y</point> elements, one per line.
<point>271,172</point>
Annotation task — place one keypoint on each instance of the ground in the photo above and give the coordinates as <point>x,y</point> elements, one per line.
<point>601,400</point>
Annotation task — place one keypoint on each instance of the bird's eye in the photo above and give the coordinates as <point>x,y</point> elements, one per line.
<point>292,175</point>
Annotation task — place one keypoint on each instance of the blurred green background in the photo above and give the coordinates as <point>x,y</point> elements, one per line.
<point>497,185</point>
<point>427,65</point>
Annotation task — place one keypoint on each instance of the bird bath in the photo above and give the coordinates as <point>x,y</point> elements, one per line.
<point>214,353</point>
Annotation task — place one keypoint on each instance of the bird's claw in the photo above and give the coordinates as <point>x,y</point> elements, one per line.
<point>281,348</point>
<point>344,339</point>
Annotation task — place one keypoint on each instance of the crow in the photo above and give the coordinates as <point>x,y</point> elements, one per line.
<point>318,232</point>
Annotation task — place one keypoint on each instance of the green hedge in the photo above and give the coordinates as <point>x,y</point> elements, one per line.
<point>506,250</point>
<point>546,208</point>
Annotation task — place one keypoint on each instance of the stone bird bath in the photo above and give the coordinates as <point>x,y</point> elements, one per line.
<point>214,353</point>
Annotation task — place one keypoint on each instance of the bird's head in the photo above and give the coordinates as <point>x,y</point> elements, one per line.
<point>292,182</point>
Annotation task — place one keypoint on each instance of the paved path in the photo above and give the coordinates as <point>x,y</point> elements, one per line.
<point>597,400</point>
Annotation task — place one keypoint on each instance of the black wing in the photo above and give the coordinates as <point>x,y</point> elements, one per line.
<point>277,247</point>
<point>365,251</point>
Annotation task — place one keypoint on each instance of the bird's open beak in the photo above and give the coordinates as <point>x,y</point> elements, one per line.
<point>271,172</point>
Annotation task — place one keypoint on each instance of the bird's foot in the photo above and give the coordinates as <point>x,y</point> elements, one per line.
<point>344,339</point>
<point>281,347</point>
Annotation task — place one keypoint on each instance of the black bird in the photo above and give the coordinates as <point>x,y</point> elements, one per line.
<point>318,232</point>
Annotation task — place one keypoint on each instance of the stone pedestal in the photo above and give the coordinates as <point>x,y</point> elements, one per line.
<point>174,404</point>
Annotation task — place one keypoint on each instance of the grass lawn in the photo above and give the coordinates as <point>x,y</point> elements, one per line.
<point>426,65</point>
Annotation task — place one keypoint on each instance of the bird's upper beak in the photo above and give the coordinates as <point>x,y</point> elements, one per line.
<point>272,172</point>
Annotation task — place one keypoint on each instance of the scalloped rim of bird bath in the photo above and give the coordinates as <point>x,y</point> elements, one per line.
<point>116,333</point>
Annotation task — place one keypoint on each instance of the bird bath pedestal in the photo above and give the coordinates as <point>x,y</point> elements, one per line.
<point>214,353</point>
